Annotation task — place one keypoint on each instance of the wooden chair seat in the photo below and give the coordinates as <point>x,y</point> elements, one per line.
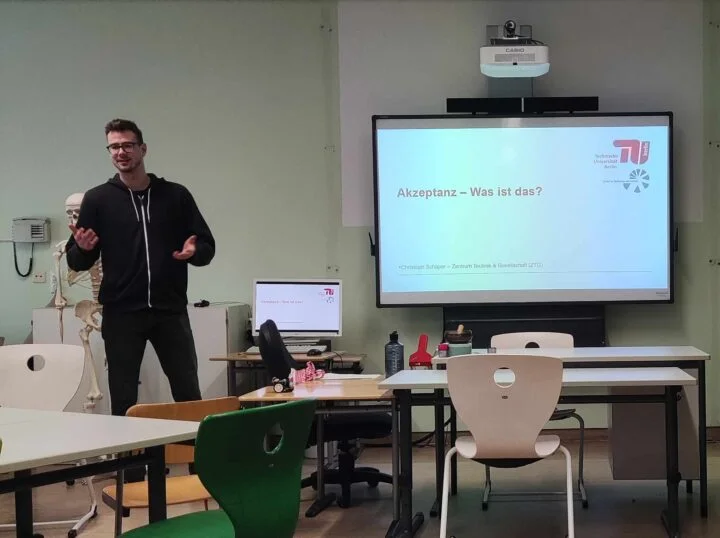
<point>180,490</point>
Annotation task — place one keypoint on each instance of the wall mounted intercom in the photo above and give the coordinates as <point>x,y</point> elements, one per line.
<point>31,230</point>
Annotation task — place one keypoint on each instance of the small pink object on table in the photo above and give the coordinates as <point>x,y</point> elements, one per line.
<point>309,373</point>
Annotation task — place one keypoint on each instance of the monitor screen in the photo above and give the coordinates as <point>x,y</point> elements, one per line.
<point>551,208</point>
<point>301,308</point>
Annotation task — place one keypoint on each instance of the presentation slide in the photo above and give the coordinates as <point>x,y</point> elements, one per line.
<point>298,307</point>
<point>523,209</point>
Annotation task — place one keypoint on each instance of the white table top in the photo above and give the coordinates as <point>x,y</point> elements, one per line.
<point>35,438</point>
<point>608,354</point>
<point>572,377</point>
<point>11,415</point>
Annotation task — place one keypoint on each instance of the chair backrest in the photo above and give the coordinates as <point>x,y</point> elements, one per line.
<point>194,410</point>
<point>505,400</point>
<point>40,376</point>
<point>273,352</point>
<point>259,490</point>
<point>532,339</point>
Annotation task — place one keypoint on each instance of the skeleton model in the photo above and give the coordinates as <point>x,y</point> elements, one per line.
<point>85,310</point>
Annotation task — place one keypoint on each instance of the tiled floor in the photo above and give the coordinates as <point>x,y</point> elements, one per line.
<point>617,509</point>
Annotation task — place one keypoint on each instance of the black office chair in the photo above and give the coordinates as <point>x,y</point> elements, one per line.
<point>343,428</point>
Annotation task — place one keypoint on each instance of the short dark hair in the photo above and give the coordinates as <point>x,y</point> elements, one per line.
<point>124,125</point>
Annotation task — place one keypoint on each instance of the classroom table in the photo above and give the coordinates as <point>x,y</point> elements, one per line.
<point>33,439</point>
<point>686,357</point>
<point>672,379</point>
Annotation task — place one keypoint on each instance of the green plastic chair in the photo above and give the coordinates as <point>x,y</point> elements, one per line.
<point>258,491</point>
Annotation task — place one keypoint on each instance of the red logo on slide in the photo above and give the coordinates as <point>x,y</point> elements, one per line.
<point>328,294</point>
<point>636,151</point>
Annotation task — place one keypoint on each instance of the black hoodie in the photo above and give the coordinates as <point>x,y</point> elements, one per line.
<point>137,235</point>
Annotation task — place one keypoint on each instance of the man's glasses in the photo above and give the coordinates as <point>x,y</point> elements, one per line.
<point>127,147</point>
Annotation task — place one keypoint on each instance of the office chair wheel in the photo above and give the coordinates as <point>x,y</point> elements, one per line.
<point>585,504</point>
<point>484,506</point>
<point>372,483</point>
<point>70,482</point>
<point>342,503</point>
<point>72,533</point>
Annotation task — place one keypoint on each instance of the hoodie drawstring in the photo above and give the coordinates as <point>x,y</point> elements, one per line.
<point>148,206</point>
<point>132,199</point>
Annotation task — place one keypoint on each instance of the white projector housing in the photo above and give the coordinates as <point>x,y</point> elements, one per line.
<point>514,61</point>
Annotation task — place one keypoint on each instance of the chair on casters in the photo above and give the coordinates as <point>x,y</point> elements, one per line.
<point>343,428</point>
<point>49,377</point>
<point>256,487</point>
<point>520,393</point>
<point>541,340</point>
<point>346,428</point>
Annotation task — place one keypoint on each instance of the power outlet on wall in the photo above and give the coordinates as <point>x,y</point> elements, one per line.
<point>39,277</point>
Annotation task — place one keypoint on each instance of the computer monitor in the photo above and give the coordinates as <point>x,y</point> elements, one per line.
<point>301,308</point>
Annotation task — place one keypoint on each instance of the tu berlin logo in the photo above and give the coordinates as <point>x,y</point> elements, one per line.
<point>634,151</point>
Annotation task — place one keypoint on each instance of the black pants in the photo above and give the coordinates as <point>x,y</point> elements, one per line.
<point>126,335</point>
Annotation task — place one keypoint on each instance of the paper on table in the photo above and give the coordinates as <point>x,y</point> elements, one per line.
<point>332,375</point>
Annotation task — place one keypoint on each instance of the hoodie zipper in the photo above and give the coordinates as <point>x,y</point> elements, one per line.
<point>145,220</point>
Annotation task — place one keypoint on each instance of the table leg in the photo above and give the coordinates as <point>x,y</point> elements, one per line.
<point>322,501</point>
<point>395,462</point>
<point>24,509</point>
<point>157,509</point>
<point>119,492</point>
<point>439,451</point>
<point>671,517</point>
<point>702,439</point>
<point>408,524</point>
<point>453,461</point>
<point>231,379</point>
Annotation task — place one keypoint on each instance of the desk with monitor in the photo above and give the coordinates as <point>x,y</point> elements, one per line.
<point>308,314</point>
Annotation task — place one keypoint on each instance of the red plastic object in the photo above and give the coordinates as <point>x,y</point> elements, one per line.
<point>421,358</point>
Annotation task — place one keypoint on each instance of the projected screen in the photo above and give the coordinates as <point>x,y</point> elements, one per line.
<point>539,209</point>
<point>299,308</point>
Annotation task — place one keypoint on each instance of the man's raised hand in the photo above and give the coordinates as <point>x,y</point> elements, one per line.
<point>188,250</point>
<point>85,239</point>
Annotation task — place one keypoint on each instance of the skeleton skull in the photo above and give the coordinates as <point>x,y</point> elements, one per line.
<point>72,207</point>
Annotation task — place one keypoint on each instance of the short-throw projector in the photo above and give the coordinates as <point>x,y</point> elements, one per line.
<point>514,61</point>
<point>514,55</point>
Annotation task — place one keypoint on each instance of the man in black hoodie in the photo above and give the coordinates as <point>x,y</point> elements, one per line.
<point>147,230</point>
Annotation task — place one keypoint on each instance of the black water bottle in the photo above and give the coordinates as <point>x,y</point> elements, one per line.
<point>394,355</point>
